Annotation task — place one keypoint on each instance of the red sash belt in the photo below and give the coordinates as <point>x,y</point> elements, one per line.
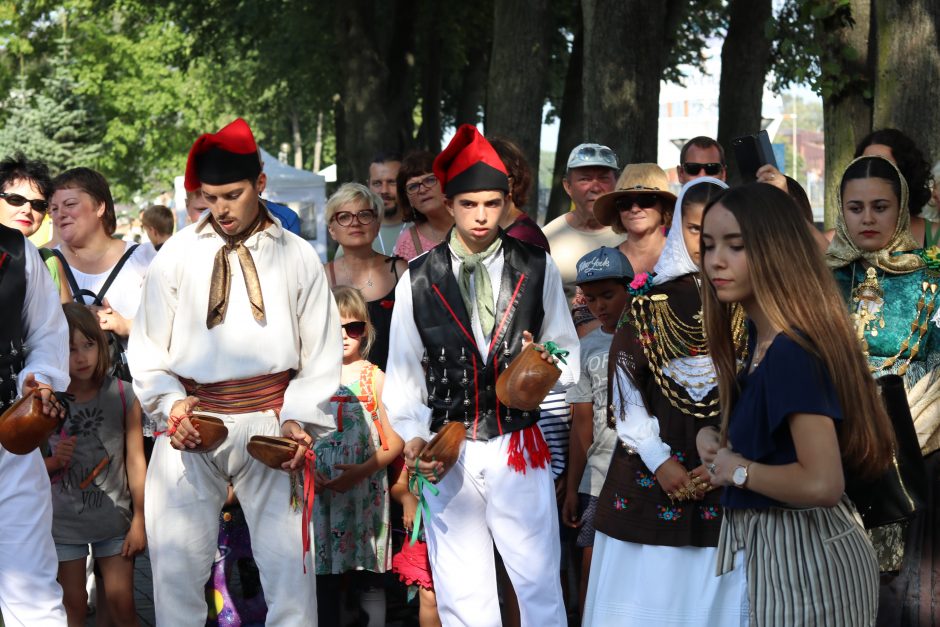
<point>240,396</point>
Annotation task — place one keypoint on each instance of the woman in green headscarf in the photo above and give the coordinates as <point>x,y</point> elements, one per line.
<point>891,286</point>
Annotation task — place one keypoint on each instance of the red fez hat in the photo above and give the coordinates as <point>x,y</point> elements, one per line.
<point>470,164</point>
<point>225,157</point>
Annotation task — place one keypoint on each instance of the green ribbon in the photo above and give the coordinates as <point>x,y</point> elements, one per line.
<point>417,483</point>
<point>553,350</point>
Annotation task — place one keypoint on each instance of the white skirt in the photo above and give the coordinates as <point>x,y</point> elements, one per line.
<point>640,584</point>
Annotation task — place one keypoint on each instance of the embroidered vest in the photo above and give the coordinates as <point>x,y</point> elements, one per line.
<point>631,506</point>
<point>460,386</point>
<point>12,297</point>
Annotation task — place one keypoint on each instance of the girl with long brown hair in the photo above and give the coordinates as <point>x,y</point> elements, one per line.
<point>801,413</point>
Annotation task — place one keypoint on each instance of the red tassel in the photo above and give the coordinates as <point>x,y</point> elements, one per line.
<point>528,441</point>
<point>309,470</point>
<point>537,448</point>
<point>516,455</point>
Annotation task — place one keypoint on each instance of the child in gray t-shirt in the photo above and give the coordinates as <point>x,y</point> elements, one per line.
<point>97,471</point>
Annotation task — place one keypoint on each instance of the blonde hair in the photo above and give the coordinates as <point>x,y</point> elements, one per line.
<point>354,193</point>
<point>351,304</point>
<point>798,294</point>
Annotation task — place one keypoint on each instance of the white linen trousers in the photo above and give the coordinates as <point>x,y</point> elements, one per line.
<point>184,494</point>
<point>30,596</point>
<point>482,500</point>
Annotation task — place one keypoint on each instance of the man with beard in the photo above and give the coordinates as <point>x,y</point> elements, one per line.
<point>236,317</point>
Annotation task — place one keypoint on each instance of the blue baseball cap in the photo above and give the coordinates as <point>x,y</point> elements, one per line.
<point>603,263</point>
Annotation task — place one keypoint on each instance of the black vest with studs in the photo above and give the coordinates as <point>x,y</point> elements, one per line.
<point>12,297</point>
<point>460,386</point>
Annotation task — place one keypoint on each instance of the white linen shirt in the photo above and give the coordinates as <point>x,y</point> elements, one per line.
<point>301,331</point>
<point>45,330</point>
<point>406,394</point>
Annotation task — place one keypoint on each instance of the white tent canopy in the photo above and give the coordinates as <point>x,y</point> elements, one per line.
<point>303,191</point>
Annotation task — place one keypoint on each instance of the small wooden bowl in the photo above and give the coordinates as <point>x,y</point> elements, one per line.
<point>445,446</point>
<point>212,432</point>
<point>527,381</point>
<point>272,451</point>
<point>23,426</point>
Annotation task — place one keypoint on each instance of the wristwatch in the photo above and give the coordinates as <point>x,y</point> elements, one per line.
<point>739,476</point>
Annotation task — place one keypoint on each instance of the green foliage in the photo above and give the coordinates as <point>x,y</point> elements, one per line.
<point>54,123</point>
<point>705,19</point>
<point>808,50</point>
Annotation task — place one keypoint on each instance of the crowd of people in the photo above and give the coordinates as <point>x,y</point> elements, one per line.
<point>728,416</point>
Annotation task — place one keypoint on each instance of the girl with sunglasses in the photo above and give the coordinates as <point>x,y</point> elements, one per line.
<point>351,509</point>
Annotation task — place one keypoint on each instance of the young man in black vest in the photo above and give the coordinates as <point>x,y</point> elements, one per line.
<point>463,311</point>
<point>34,356</point>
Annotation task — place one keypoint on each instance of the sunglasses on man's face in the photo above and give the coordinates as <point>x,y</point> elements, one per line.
<point>692,169</point>
<point>355,330</point>
<point>15,200</point>
<point>643,201</point>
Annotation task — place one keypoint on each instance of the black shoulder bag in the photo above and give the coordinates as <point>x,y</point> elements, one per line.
<point>119,367</point>
<point>898,494</point>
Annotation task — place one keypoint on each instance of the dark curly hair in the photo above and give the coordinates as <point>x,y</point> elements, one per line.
<point>18,168</point>
<point>910,161</point>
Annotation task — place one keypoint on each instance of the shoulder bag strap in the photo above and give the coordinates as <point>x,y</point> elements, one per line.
<point>416,240</point>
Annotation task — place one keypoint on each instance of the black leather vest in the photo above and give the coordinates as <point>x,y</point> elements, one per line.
<point>12,296</point>
<point>460,386</point>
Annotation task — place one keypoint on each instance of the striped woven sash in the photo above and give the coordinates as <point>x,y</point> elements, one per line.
<point>241,396</point>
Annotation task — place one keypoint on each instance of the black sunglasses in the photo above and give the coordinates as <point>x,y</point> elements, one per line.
<point>643,201</point>
<point>355,330</point>
<point>711,169</point>
<point>15,200</point>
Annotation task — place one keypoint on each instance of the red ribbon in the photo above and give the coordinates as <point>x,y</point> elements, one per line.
<point>310,459</point>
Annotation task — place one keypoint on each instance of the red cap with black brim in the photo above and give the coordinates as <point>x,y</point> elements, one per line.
<point>225,157</point>
<point>470,164</point>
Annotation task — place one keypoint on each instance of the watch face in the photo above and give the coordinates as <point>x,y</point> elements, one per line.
<point>739,476</point>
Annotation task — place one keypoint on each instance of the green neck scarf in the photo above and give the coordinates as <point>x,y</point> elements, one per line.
<point>472,264</point>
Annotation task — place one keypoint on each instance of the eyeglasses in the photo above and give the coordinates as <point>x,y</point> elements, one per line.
<point>355,330</point>
<point>590,153</point>
<point>426,183</point>
<point>364,217</point>
<point>644,201</point>
<point>711,169</point>
<point>15,200</point>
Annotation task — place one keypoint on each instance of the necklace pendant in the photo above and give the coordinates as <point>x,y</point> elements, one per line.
<point>369,282</point>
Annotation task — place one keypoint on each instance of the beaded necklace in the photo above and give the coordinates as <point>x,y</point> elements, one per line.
<point>666,338</point>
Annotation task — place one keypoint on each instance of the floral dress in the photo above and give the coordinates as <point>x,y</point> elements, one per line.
<point>352,528</point>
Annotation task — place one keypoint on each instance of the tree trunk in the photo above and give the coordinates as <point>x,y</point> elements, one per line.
<point>429,135</point>
<point>473,85</point>
<point>297,140</point>
<point>375,93</point>
<point>624,54</point>
<point>515,92</point>
<point>907,70</point>
<point>318,143</point>
<point>847,116</point>
<point>570,128</point>
<point>363,89</point>
<point>745,58</point>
